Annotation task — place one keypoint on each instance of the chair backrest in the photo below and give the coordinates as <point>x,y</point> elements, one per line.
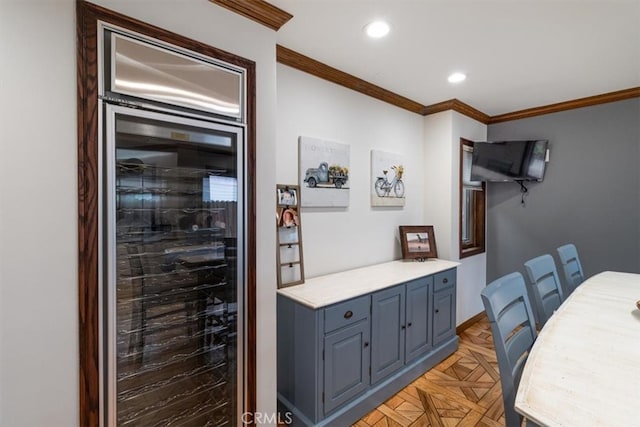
<point>571,266</point>
<point>545,290</point>
<point>513,328</point>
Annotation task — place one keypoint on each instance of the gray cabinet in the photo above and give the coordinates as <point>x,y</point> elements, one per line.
<point>444,306</point>
<point>346,364</point>
<point>387,332</point>
<point>400,326</point>
<point>338,362</point>
<point>418,314</point>
<point>346,352</point>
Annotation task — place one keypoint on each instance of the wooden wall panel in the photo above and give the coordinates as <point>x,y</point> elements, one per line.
<point>88,214</point>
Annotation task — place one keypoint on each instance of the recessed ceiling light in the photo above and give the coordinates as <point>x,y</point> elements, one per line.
<point>377,29</point>
<point>456,77</point>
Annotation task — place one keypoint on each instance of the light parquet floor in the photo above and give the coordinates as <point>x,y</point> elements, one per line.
<point>463,390</point>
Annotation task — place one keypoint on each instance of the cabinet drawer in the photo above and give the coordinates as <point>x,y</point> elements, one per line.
<point>345,313</point>
<point>444,280</point>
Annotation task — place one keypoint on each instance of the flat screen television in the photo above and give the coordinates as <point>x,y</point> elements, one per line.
<point>509,160</point>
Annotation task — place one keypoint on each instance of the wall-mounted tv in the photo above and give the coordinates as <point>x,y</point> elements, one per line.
<point>509,160</point>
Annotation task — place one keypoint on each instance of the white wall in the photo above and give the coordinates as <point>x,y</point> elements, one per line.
<point>38,210</point>
<point>442,203</point>
<point>337,239</point>
<point>438,185</point>
<point>472,273</point>
<point>38,192</point>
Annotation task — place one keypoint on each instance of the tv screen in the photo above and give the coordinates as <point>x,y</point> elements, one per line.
<point>509,160</point>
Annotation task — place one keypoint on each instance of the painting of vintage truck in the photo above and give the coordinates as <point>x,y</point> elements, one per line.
<point>325,175</point>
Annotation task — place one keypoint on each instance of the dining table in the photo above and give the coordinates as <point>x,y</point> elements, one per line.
<point>584,367</point>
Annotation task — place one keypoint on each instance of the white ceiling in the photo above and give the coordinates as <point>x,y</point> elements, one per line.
<point>517,54</point>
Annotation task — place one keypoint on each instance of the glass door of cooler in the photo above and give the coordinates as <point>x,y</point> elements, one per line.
<point>173,277</point>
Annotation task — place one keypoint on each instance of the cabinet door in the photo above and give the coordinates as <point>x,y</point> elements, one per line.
<point>444,315</point>
<point>387,332</point>
<point>346,365</point>
<point>418,335</point>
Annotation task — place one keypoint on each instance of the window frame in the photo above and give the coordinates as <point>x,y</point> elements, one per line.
<point>476,243</point>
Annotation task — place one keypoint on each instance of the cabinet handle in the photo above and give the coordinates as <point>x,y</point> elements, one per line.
<point>437,310</point>
<point>409,325</point>
<point>402,327</point>
<point>445,280</point>
<point>348,314</point>
<point>366,344</point>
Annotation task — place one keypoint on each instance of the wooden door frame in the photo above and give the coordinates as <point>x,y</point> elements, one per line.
<point>88,16</point>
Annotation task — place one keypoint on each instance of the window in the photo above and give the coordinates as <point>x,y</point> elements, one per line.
<point>472,205</point>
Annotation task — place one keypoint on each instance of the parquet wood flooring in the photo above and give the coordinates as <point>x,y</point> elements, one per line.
<point>463,390</point>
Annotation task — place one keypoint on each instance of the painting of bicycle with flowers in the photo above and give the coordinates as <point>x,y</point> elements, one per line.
<point>387,179</point>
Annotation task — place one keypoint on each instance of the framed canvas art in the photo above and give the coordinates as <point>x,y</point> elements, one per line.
<point>324,173</point>
<point>387,179</point>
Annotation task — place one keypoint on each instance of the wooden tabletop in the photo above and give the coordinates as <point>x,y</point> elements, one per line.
<point>584,368</point>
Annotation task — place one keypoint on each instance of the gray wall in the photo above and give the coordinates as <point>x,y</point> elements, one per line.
<point>590,195</point>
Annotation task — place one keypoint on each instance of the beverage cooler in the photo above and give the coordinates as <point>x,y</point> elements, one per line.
<point>172,231</point>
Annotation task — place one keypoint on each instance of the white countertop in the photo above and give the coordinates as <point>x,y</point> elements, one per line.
<point>325,290</point>
<point>583,369</point>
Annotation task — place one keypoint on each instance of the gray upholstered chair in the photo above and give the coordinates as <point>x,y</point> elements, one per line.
<point>571,266</point>
<point>544,288</point>
<point>513,328</point>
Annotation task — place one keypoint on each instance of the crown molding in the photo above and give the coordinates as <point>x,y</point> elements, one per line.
<point>604,98</point>
<point>298,61</point>
<point>459,106</point>
<point>309,65</point>
<point>257,10</point>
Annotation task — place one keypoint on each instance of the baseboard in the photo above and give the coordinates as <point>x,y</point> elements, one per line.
<point>464,325</point>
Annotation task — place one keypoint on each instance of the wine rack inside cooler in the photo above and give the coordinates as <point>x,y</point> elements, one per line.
<point>174,301</point>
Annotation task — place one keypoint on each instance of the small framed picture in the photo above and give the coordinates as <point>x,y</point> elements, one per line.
<point>288,218</point>
<point>287,196</point>
<point>418,242</point>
